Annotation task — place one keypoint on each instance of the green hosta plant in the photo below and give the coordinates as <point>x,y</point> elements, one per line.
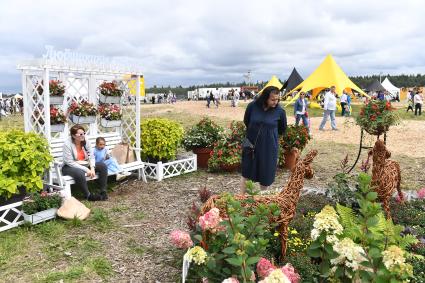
<point>360,248</point>
<point>23,157</point>
<point>160,138</point>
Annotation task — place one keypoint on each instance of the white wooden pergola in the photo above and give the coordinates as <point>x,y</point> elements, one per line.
<point>81,74</point>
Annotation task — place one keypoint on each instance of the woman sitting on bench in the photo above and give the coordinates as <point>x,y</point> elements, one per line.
<point>79,162</point>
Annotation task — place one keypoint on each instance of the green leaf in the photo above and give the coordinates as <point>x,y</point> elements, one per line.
<point>236,261</point>
<point>371,196</point>
<point>229,250</point>
<point>374,253</point>
<point>313,252</point>
<point>315,245</point>
<point>252,260</point>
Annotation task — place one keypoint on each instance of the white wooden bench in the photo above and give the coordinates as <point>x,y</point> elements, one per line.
<point>63,183</point>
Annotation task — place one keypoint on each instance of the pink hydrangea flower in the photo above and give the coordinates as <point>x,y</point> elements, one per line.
<point>421,193</point>
<point>264,267</point>
<point>290,272</point>
<point>398,199</point>
<point>181,239</point>
<point>210,220</point>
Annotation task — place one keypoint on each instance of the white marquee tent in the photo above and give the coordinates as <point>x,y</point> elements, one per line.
<point>395,91</point>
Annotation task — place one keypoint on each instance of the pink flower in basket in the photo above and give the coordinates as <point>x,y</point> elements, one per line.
<point>181,239</point>
<point>421,193</point>
<point>210,220</point>
<point>264,267</point>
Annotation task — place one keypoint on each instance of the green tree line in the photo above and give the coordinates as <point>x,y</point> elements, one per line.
<point>361,81</point>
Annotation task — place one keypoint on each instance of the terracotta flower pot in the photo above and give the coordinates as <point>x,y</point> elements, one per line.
<point>203,155</point>
<point>230,167</point>
<point>290,159</point>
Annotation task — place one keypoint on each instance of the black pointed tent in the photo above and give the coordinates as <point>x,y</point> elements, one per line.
<point>375,86</point>
<point>293,80</point>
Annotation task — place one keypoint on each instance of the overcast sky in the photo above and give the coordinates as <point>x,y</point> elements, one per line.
<point>193,42</point>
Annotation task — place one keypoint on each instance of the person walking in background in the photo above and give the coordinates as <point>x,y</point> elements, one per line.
<point>348,106</point>
<point>418,101</point>
<point>300,110</point>
<point>343,102</point>
<point>208,99</point>
<point>265,120</point>
<point>410,101</point>
<point>329,107</point>
<point>216,97</point>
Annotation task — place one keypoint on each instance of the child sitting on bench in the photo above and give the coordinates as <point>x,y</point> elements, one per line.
<point>101,155</point>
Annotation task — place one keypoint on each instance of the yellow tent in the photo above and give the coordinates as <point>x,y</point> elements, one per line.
<point>274,81</point>
<point>326,75</point>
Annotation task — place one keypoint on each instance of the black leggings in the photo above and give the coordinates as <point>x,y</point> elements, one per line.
<point>80,177</point>
<point>418,106</point>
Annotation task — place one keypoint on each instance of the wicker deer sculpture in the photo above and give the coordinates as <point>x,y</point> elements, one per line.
<point>386,175</point>
<point>286,199</point>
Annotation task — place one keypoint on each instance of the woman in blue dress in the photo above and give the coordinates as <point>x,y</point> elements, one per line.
<point>265,120</point>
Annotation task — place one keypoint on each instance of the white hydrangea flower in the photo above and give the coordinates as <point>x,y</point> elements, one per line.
<point>392,257</point>
<point>276,276</point>
<point>349,253</point>
<point>326,220</point>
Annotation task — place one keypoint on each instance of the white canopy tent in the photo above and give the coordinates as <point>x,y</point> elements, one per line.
<point>395,91</point>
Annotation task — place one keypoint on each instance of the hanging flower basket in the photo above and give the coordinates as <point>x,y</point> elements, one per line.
<point>109,99</point>
<point>110,123</point>
<point>56,100</point>
<point>57,128</point>
<point>40,216</point>
<point>376,117</point>
<point>82,119</point>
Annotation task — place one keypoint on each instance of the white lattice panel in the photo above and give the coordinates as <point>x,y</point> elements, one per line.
<point>10,216</point>
<point>160,171</point>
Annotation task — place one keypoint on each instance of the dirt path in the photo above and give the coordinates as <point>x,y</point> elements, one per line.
<point>405,139</point>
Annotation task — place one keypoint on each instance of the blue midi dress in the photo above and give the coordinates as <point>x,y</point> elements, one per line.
<point>263,130</point>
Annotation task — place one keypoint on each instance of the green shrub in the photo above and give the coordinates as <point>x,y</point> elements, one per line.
<point>23,157</point>
<point>203,135</point>
<point>160,138</point>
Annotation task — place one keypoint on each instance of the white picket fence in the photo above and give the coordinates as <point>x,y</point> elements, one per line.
<point>10,216</point>
<point>159,171</point>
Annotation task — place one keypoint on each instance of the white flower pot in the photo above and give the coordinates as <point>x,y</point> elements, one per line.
<point>109,99</point>
<point>56,100</point>
<point>40,216</point>
<point>110,123</point>
<point>57,128</point>
<point>82,120</point>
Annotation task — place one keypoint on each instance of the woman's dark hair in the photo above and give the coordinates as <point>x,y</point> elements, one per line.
<point>73,131</point>
<point>262,99</point>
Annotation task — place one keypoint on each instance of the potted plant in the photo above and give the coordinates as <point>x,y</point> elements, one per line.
<point>109,92</point>
<point>57,119</point>
<point>201,139</point>
<point>110,115</point>
<point>83,112</point>
<point>24,158</point>
<point>160,139</point>
<point>57,91</point>
<point>294,137</point>
<point>227,152</point>
<point>376,117</point>
<point>39,207</point>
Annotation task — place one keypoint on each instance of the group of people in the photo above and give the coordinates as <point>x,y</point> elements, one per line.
<point>11,106</point>
<point>80,161</point>
<point>415,100</point>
